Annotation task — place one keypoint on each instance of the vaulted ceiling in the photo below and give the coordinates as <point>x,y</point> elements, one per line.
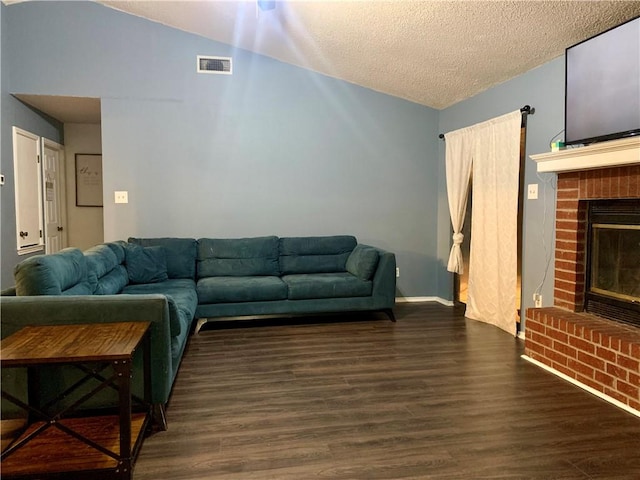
<point>432,52</point>
<point>435,53</point>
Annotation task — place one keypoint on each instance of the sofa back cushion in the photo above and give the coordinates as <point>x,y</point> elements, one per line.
<point>146,264</point>
<point>238,257</point>
<point>106,273</point>
<point>315,254</point>
<point>118,248</point>
<point>180,254</point>
<point>60,273</point>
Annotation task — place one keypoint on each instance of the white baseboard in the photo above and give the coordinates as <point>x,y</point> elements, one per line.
<point>581,385</point>
<point>440,300</point>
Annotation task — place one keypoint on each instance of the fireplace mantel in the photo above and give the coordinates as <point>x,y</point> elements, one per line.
<point>614,153</point>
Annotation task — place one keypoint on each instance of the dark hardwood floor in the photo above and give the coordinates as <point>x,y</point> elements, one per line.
<point>433,396</point>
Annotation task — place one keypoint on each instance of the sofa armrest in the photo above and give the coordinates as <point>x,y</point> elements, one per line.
<point>17,312</point>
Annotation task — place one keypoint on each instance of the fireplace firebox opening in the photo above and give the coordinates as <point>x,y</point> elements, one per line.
<point>613,260</point>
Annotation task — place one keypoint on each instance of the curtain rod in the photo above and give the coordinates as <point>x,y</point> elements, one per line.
<point>526,110</point>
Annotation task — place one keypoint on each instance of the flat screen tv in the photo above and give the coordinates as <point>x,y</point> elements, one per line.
<point>602,86</point>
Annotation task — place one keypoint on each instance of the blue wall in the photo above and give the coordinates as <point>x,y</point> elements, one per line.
<point>14,113</point>
<point>543,89</point>
<point>272,149</point>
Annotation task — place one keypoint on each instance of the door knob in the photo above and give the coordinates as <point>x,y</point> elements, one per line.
<point>24,234</point>
<point>60,229</point>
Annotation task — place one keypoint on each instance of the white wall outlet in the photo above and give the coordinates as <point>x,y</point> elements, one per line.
<point>1,179</point>
<point>532,191</point>
<point>397,272</point>
<point>122,197</point>
<point>537,300</point>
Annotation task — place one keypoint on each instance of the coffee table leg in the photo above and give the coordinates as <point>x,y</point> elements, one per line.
<point>123,370</point>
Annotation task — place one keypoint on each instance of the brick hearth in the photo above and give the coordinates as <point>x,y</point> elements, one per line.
<point>599,353</point>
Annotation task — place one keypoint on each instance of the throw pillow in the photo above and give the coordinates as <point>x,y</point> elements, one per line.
<point>146,264</point>
<point>362,262</point>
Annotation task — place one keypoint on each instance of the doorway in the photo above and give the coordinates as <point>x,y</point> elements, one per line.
<point>81,118</point>
<point>460,281</point>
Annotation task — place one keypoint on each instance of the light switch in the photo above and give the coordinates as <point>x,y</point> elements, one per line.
<point>532,191</point>
<point>122,197</point>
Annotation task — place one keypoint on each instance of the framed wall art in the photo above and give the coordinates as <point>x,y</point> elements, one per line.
<point>88,180</point>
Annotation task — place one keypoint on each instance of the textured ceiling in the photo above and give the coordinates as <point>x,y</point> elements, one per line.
<point>435,53</point>
<point>432,52</point>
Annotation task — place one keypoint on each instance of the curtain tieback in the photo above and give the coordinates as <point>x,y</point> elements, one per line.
<point>457,238</point>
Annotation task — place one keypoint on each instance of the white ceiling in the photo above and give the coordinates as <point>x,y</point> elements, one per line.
<point>435,52</point>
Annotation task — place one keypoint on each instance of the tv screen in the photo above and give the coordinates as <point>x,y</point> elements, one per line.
<point>602,96</point>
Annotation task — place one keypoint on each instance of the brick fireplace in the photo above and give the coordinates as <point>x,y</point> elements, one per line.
<point>598,353</point>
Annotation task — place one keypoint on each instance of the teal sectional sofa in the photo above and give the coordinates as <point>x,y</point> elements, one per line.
<point>176,282</point>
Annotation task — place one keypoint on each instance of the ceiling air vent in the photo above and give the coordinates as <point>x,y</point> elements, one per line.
<point>220,65</point>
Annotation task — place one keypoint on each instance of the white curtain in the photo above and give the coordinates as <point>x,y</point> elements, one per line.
<point>458,170</point>
<point>494,148</point>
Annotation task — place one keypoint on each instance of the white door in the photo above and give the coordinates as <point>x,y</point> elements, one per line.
<point>28,191</point>
<point>54,195</point>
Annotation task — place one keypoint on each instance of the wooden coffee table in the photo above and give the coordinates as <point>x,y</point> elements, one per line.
<point>95,447</point>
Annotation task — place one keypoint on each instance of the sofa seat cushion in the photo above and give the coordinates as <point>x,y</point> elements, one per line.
<point>326,285</point>
<point>315,254</point>
<point>166,285</point>
<point>182,297</point>
<point>240,289</point>
<point>238,257</point>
